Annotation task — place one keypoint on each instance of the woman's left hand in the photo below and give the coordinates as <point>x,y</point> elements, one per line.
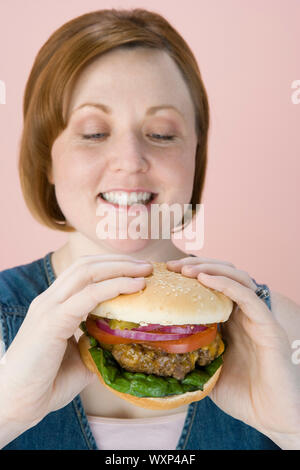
<point>259,383</point>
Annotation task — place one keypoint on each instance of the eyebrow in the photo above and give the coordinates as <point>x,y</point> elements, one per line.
<point>150,111</point>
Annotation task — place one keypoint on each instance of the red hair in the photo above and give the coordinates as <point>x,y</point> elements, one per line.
<point>56,67</point>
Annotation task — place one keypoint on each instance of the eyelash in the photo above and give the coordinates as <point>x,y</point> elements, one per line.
<point>160,136</point>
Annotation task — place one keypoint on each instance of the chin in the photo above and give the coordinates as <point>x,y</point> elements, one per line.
<point>125,246</point>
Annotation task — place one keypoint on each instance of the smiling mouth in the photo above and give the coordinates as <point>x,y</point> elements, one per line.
<point>128,204</point>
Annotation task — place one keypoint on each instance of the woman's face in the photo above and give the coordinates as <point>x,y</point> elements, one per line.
<point>113,138</point>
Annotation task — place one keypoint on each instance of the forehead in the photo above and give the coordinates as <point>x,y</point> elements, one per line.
<point>137,78</point>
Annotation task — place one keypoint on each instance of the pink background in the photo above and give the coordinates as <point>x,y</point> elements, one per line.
<point>248,54</point>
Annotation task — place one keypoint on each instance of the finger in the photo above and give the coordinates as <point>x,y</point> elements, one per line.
<point>86,259</point>
<point>220,270</point>
<point>67,317</point>
<point>251,305</point>
<point>177,265</point>
<point>85,273</point>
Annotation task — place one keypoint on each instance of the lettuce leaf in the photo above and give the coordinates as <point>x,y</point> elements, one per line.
<point>149,385</point>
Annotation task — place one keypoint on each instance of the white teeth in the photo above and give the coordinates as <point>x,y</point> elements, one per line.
<point>124,198</point>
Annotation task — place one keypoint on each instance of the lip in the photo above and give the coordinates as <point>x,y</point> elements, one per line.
<point>127,208</point>
<point>135,190</point>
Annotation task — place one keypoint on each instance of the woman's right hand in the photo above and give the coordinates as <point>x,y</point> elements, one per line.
<point>43,370</point>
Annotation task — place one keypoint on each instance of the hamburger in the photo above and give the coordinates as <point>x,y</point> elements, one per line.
<point>161,347</point>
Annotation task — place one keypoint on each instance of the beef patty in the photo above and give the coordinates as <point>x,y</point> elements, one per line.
<point>138,357</point>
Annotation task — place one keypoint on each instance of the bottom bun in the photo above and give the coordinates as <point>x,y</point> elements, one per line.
<point>164,403</point>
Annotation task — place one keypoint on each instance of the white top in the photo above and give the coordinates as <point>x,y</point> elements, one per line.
<point>157,433</point>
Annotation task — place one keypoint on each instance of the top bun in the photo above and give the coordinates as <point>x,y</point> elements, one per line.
<point>169,298</point>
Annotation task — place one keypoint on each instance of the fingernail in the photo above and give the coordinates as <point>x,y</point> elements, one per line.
<point>204,275</point>
<point>189,268</point>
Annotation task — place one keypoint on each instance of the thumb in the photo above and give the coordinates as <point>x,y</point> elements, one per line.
<point>73,376</point>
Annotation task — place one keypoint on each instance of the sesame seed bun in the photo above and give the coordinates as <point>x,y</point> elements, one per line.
<point>169,298</point>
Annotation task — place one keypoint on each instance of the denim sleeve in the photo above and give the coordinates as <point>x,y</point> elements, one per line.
<point>2,344</point>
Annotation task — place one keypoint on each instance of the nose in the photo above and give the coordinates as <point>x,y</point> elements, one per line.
<point>127,155</point>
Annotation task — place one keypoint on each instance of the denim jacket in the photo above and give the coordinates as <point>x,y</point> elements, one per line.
<point>205,427</point>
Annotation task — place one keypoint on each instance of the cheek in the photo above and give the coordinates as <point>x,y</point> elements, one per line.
<point>72,170</point>
<point>181,174</point>
<point>67,184</point>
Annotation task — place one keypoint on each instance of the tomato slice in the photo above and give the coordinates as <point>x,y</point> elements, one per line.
<point>104,337</point>
<point>189,344</point>
<point>183,345</point>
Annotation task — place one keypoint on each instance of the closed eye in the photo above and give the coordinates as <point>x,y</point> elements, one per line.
<point>155,136</point>
<point>93,136</point>
<point>163,137</point>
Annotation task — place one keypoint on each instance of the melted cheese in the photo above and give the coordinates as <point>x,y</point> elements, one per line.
<point>216,343</point>
<point>221,348</point>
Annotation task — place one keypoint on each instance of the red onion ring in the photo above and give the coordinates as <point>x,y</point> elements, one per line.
<point>178,329</point>
<point>188,329</point>
<point>140,335</point>
<point>152,326</point>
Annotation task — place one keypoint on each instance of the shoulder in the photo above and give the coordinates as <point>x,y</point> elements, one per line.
<point>287,313</point>
<point>19,285</point>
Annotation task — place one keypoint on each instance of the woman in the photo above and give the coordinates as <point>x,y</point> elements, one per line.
<point>96,121</point>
